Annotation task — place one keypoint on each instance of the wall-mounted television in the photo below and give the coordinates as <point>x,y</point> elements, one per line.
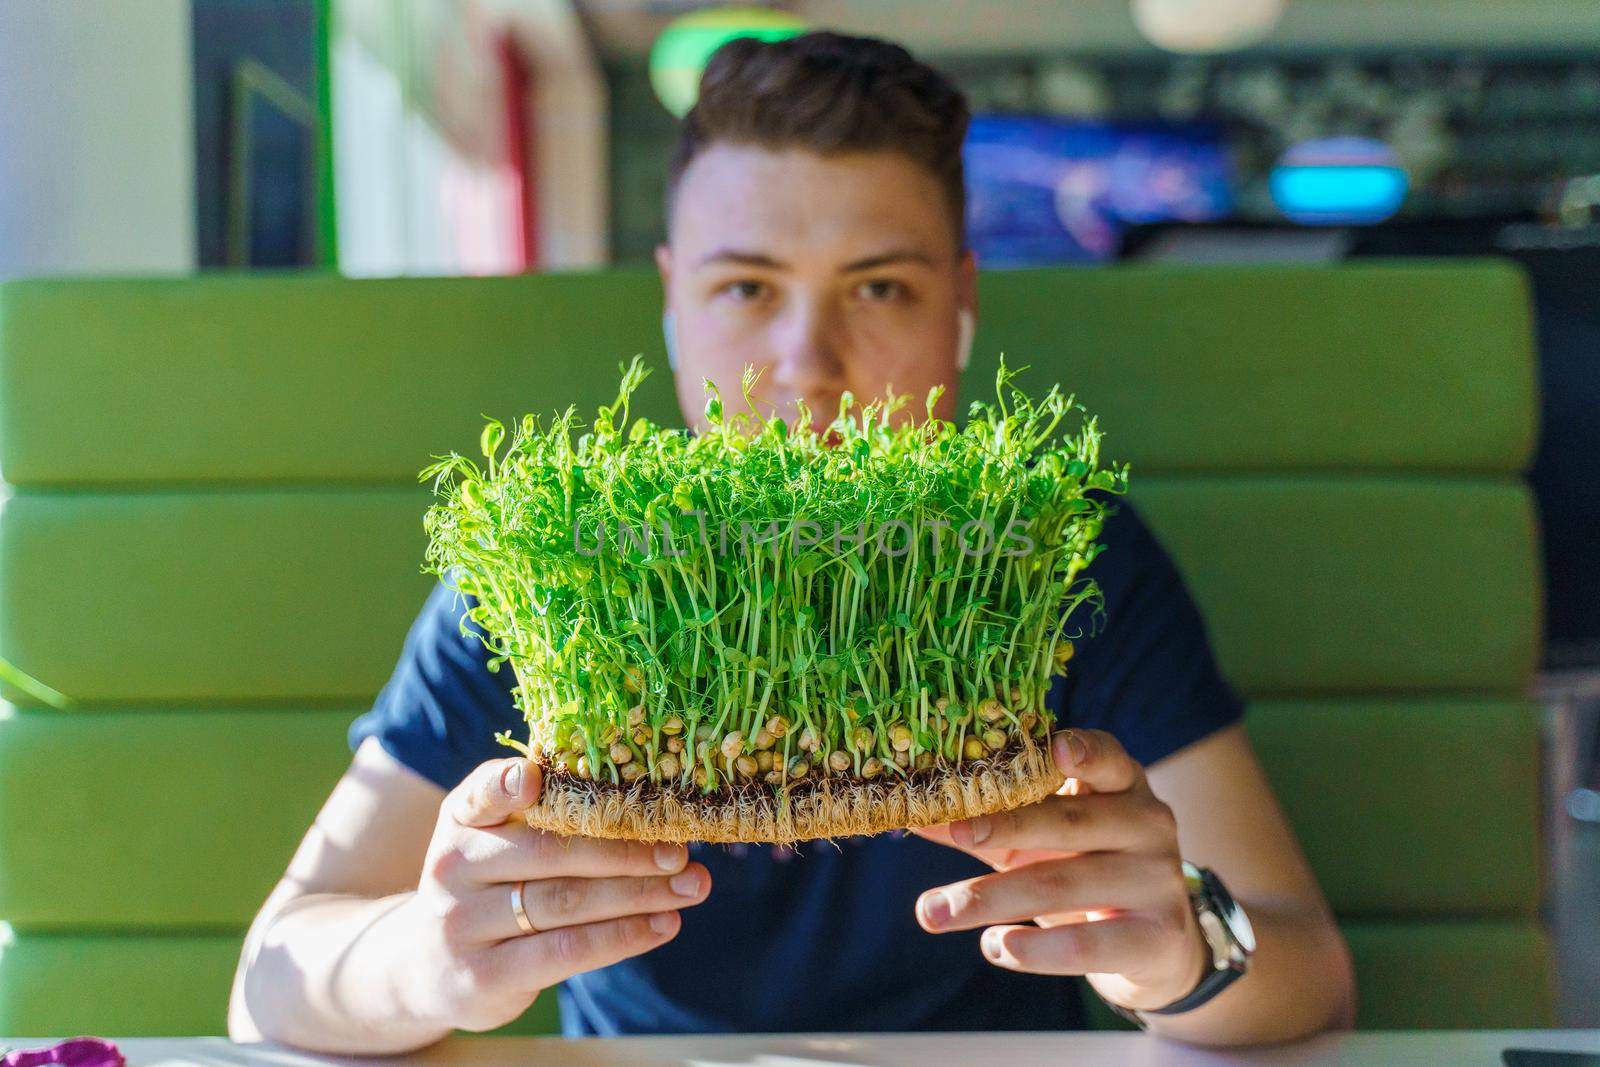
<point>1044,190</point>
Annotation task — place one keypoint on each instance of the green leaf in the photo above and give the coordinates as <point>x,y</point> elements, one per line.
<point>491,437</point>
<point>505,738</point>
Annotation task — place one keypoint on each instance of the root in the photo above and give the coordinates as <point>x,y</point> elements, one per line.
<point>813,807</point>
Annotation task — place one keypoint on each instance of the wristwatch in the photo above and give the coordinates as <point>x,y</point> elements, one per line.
<point>1228,934</point>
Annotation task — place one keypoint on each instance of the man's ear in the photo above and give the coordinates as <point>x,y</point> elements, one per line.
<point>664,267</point>
<point>967,281</point>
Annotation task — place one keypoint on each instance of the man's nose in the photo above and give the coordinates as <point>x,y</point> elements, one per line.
<point>808,362</point>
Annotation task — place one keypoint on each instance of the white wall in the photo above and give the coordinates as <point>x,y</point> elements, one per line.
<point>96,137</point>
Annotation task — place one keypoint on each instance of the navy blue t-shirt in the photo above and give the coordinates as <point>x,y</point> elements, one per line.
<point>823,936</point>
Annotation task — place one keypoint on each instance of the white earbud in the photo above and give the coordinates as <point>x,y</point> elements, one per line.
<point>967,328</point>
<point>669,332</point>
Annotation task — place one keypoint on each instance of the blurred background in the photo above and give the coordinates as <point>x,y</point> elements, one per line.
<point>479,137</point>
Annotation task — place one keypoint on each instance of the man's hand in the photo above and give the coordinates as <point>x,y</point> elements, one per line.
<point>1096,866</point>
<point>593,901</point>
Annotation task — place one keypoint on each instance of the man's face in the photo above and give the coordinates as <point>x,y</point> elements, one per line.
<point>825,273</point>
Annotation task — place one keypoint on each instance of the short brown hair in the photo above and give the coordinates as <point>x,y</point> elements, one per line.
<point>829,93</point>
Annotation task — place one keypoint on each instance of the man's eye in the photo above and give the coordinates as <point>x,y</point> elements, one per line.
<point>881,289</point>
<point>745,291</point>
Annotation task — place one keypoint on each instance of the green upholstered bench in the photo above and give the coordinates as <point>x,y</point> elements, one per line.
<point>212,542</point>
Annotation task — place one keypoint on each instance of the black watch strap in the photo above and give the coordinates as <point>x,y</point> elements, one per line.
<point>1206,894</point>
<point>1213,983</point>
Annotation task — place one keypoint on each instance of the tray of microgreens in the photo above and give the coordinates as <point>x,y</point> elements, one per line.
<point>770,631</point>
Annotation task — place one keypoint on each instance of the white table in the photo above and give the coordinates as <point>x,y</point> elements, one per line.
<point>1388,1049</point>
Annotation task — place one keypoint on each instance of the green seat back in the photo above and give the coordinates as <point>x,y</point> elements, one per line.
<point>211,541</point>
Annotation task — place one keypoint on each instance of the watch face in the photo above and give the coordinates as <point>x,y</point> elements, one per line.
<point>1243,932</point>
<point>1229,912</point>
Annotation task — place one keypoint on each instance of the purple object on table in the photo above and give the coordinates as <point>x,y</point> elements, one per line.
<point>74,1052</point>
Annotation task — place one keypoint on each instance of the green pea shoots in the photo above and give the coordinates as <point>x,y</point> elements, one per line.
<point>762,605</point>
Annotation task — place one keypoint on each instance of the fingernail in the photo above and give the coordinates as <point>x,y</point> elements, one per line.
<point>661,922</point>
<point>991,944</point>
<point>1069,749</point>
<point>980,829</point>
<point>669,857</point>
<point>936,908</point>
<point>511,781</point>
<point>686,884</point>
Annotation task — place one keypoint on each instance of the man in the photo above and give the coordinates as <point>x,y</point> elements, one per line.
<point>816,232</point>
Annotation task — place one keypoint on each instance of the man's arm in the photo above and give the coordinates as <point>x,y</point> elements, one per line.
<point>393,925</point>
<point>1300,979</point>
<point>316,960</point>
<point>1097,868</point>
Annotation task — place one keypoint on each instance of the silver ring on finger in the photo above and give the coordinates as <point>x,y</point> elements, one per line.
<point>520,910</point>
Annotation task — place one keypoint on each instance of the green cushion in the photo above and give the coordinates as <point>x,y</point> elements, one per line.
<point>284,595</point>
<point>141,986</point>
<point>1397,802</point>
<point>1452,976</point>
<point>199,380</point>
<point>1335,584</point>
<point>1404,365</point>
<point>1342,584</point>
<point>1412,975</point>
<point>214,543</point>
<point>195,812</point>
<point>229,378</point>
<point>1375,789</point>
